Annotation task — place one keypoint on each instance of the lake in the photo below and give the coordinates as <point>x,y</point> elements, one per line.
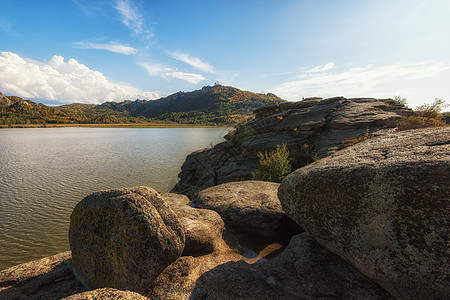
<point>45,172</point>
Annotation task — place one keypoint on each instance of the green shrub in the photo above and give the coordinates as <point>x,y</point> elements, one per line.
<point>397,101</point>
<point>273,166</point>
<point>431,110</point>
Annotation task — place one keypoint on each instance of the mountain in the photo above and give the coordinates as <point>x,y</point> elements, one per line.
<point>211,105</point>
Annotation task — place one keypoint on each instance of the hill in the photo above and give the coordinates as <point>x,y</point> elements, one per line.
<point>217,105</point>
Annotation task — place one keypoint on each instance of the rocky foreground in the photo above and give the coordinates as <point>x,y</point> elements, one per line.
<point>366,222</point>
<point>312,128</point>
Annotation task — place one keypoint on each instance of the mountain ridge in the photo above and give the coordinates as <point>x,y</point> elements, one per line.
<point>211,105</point>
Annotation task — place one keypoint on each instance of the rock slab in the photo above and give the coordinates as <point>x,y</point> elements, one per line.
<point>382,205</point>
<point>249,207</point>
<point>47,278</point>
<point>123,238</point>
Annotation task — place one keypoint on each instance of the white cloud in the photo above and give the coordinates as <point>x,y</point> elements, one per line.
<point>111,46</point>
<point>189,77</point>
<point>155,69</point>
<point>325,68</point>
<point>61,81</point>
<point>132,18</point>
<point>369,80</point>
<point>193,61</point>
<point>160,70</point>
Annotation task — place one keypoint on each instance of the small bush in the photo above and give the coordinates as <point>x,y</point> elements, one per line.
<point>415,122</point>
<point>273,166</point>
<point>397,101</point>
<point>431,110</point>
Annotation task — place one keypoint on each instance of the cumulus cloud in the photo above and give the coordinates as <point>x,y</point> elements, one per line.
<point>368,80</point>
<point>160,70</point>
<point>111,46</point>
<point>193,61</point>
<point>61,81</point>
<point>132,18</point>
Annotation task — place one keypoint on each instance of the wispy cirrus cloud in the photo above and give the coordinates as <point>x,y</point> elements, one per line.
<point>160,70</point>
<point>132,18</point>
<point>319,68</point>
<point>155,69</point>
<point>61,81</point>
<point>111,46</point>
<point>193,61</point>
<point>372,80</point>
<point>189,77</point>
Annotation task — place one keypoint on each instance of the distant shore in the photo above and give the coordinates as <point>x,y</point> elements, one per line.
<point>133,125</point>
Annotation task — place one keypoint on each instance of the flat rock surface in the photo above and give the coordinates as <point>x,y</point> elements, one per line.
<point>250,207</point>
<point>123,238</point>
<point>107,293</point>
<point>382,205</point>
<point>47,278</point>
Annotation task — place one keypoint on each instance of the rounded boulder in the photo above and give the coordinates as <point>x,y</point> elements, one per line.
<point>123,238</point>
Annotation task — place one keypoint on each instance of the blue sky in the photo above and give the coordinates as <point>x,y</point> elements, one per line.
<point>85,51</point>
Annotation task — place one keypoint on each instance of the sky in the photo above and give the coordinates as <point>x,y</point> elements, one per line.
<point>85,51</point>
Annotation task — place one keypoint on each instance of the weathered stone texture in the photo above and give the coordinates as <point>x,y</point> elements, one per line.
<point>250,207</point>
<point>123,238</point>
<point>383,205</point>
<point>322,124</point>
<point>203,228</point>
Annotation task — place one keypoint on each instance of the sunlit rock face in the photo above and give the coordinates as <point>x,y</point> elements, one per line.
<point>382,205</point>
<point>312,128</point>
<point>123,238</point>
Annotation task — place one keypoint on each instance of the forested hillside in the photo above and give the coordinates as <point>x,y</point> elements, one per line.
<point>218,105</point>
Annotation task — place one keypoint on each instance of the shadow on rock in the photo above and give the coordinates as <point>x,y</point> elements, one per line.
<point>47,278</point>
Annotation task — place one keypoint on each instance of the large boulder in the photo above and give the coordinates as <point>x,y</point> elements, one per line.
<point>382,205</point>
<point>47,278</point>
<point>203,228</point>
<point>320,124</point>
<point>249,207</point>
<point>123,238</point>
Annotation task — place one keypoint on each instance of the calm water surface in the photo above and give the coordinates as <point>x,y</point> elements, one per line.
<point>45,172</point>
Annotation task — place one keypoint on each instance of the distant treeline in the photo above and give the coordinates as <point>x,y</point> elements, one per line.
<point>218,105</point>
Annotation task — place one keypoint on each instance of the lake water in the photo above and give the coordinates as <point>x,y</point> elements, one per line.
<point>45,172</point>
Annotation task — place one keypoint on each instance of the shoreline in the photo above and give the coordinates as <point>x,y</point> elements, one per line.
<point>120,125</point>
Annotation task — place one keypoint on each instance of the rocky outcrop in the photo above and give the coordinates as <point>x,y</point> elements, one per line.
<point>107,293</point>
<point>305,270</point>
<point>382,205</point>
<point>46,278</point>
<point>249,207</point>
<point>179,280</point>
<point>123,238</point>
<point>310,271</point>
<point>311,127</point>
<point>203,228</point>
